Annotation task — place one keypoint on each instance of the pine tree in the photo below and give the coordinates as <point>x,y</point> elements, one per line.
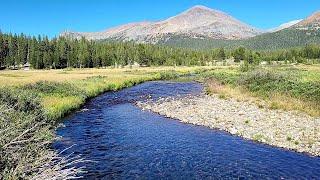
<point>222,54</point>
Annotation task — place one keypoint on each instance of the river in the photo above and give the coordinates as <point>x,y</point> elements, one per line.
<point>123,142</point>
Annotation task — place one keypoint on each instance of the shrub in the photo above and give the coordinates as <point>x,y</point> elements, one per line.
<point>22,101</point>
<point>23,131</point>
<point>46,87</point>
<point>165,75</point>
<point>266,82</point>
<point>222,77</point>
<point>263,81</point>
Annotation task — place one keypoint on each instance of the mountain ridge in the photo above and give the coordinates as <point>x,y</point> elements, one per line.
<point>211,32</point>
<point>285,25</point>
<point>196,22</point>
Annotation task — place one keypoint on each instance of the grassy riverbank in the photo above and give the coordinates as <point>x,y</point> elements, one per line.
<point>267,104</point>
<point>32,102</point>
<point>276,87</point>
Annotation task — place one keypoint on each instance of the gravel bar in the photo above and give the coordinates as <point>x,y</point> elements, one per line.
<point>287,129</point>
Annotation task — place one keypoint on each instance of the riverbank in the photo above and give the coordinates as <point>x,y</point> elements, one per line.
<point>33,102</point>
<point>285,129</point>
<point>124,142</point>
<point>286,87</point>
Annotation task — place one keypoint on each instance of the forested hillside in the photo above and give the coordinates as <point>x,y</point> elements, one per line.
<point>288,38</point>
<point>40,52</point>
<point>57,53</point>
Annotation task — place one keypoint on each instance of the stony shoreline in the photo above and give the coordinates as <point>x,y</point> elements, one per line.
<point>290,130</point>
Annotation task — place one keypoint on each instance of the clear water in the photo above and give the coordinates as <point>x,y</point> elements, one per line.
<point>124,142</point>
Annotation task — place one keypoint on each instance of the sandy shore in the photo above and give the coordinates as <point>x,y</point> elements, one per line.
<point>290,130</point>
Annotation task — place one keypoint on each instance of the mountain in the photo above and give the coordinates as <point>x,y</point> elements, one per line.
<point>201,28</point>
<point>199,22</point>
<point>310,23</point>
<point>286,38</point>
<point>285,25</point>
<point>300,34</point>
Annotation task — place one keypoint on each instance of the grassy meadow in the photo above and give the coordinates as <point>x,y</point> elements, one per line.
<point>287,87</point>
<point>32,103</point>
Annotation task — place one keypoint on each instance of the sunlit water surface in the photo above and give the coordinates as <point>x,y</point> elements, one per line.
<point>123,142</point>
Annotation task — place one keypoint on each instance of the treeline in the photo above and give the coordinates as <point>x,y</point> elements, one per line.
<point>308,54</point>
<point>285,39</point>
<point>42,53</point>
<point>17,51</point>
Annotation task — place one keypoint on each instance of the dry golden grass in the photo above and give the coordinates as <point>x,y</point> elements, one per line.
<point>275,101</point>
<point>21,77</point>
<point>313,67</point>
<point>58,92</point>
<point>106,79</point>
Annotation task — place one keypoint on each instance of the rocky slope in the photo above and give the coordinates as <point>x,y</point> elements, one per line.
<point>289,35</point>
<point>310,23</point>
<point>285,25</point>
<point>197,22</point>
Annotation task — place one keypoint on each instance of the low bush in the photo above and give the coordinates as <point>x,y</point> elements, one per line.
<point>63,89</point>
<point>165,75</point>
<point>281,87</point>
<point>24,131</point>
<point>266,82</point>
<point>21,101</point>
<point>224,77</point>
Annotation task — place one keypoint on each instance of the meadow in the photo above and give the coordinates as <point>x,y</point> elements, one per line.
<point>287,87</point>
<point>33,102</point>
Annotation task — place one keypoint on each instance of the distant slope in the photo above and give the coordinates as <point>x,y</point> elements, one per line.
<point>198,22</point>
<point>310,23</point>
<point>286,38</point>
<point>285,25</point>
<point>202,28</point>
<point>299,34</point>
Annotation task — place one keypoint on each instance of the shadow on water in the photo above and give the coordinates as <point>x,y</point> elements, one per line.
<point>124,142</point>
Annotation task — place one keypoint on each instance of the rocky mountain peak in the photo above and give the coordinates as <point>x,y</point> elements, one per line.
<point>200,10</point>
<point>196,22</point>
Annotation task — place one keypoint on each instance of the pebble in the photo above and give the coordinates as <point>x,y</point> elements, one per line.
<point>287,129</point>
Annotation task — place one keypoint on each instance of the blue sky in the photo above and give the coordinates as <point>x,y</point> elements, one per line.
<point>50,17</point>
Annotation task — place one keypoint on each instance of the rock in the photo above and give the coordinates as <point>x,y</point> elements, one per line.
<point>233,130</point>
<point>268,126</point>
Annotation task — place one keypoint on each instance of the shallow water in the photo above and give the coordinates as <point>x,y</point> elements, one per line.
<point>124,142</point>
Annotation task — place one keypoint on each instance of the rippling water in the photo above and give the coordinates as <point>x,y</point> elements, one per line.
<point>124,142</point>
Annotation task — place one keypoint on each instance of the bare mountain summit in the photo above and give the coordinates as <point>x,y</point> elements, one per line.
<point>197,22</point>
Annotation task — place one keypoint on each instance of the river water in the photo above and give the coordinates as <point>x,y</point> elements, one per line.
<point>123,142</point>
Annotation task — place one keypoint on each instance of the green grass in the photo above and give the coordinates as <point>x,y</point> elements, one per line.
<point>265,82</point>
<point>259,137</point>
<point>284,87</point>
<point>43,97</point>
